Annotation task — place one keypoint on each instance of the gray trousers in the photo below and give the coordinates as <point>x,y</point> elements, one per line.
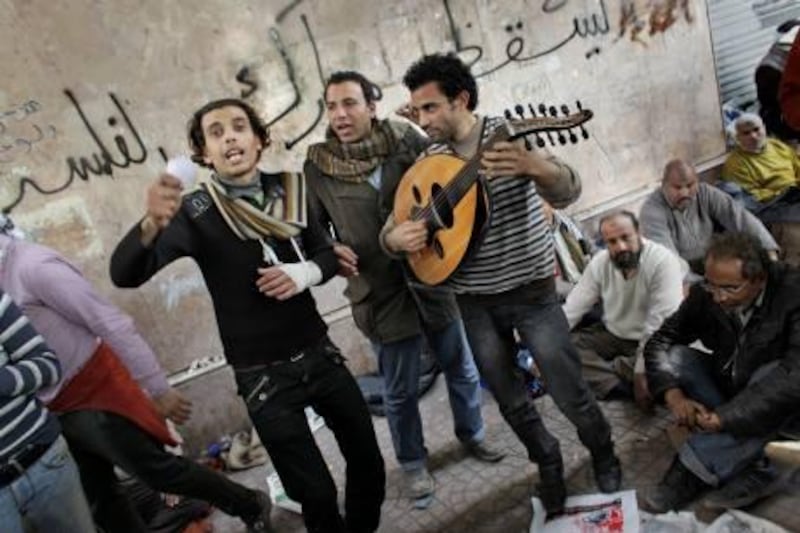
<point>606,359</point>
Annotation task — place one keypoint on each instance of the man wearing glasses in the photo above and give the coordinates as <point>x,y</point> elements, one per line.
<point>738,396</point>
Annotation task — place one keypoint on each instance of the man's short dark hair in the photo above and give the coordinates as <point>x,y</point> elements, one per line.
<point>450,74</point>
<point>197,139</point>
<point>744,247</point>
<point>620,213</point>
<point>372,93</point>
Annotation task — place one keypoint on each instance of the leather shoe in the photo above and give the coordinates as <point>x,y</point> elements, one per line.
<point>608,473</point>
<point>483,452</point>
<point>676,490</point>
<point>753,484</point>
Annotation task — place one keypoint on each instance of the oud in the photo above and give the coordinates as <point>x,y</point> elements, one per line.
<point>447,193</point>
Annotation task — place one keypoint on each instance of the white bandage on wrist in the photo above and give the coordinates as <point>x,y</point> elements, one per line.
<point>304,275</point>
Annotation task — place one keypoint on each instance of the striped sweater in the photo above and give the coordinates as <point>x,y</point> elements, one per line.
<point>517,248</point>
<point>26,365</point>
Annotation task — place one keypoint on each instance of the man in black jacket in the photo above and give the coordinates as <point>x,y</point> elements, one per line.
<point>747,313</point>
<point>259,253</point>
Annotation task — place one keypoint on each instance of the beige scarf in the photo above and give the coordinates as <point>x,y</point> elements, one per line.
<point>282,220</point>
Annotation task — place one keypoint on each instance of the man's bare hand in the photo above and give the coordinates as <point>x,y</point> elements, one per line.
<point>173,405</point>
<point>162,203</point>
<point>407,112</point>
<point>275,283</point>
<point>508,159</point>
<point>348,260</point>
<point>685,410</point>
<point>710,421</point>
<point>409,237</point>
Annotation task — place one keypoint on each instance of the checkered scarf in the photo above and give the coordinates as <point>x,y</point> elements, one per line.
<point>355,162</point>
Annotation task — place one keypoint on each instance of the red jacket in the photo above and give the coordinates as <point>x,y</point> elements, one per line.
<point>790,87</point>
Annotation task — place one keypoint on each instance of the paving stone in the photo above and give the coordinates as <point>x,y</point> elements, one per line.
<point>489,498</point>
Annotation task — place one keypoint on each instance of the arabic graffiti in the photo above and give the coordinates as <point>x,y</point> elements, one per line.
<point>101,163</point>
<point>593,25</point>
<point>583,27</point>
<point>15,143</point>
<point>245,76</point>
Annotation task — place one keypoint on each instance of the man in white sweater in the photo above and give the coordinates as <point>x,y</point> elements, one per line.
<point>639,283</point>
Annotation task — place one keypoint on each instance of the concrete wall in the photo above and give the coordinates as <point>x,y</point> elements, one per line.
<point>97,94</point>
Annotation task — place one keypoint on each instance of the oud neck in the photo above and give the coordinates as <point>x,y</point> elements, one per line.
<point>468,174</point>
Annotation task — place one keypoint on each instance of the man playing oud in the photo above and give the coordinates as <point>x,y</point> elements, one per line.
<point>507,284</point>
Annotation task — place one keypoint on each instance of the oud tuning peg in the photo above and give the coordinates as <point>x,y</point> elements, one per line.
<point>544,114</point>
<point>508,114</point>
<point>572,137</point>
<point>554,113</point>
<point>584,133</point>
<point>520,110</point>
<point>528,145</point>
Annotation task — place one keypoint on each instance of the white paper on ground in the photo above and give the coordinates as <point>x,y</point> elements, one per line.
<point>617,512</point>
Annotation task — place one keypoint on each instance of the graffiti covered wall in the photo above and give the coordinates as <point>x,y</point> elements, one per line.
<point>97,94</point>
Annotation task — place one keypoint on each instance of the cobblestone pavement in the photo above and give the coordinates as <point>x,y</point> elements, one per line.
<point>479,497</point>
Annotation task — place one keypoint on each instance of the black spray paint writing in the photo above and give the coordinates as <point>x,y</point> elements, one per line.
<point>582,27</point>
<point>101,163</point>
<point>245,76</point>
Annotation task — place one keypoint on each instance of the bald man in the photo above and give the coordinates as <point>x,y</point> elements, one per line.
<point>683,215</point>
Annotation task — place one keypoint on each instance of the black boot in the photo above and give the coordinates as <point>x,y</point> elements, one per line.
<point>607,470</point>
<point>677,489</point>
<point>544,450</point>
<point>551,488</point>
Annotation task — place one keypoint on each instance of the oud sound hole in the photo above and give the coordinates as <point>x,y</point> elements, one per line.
<point>417,196</point>
<point>438,248</point>
<point>442,207</point>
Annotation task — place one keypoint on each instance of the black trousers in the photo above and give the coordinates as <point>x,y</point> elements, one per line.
<point>100,440</point>
<point>276,396</point>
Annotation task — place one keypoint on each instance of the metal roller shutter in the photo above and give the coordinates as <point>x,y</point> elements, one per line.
<point>741,32</point>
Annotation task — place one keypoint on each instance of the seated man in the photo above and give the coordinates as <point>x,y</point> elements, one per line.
<point>739,395</point>
<point>684,214</point>
<point>639,283</point>
<point>765,168</point>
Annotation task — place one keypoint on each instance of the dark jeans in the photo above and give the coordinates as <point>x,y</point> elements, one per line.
<point>713,457</point>
<point>276,396</point>
<point>543,328</point>
<point>100,440</point>
<point>607,360</point>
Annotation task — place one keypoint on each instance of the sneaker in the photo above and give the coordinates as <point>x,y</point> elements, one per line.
<point>607,473</point>
<point>419,483</point>
<point>753,484</point>
<point>677,489</point>
<point>260,523</point>
<point>483,452</point>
